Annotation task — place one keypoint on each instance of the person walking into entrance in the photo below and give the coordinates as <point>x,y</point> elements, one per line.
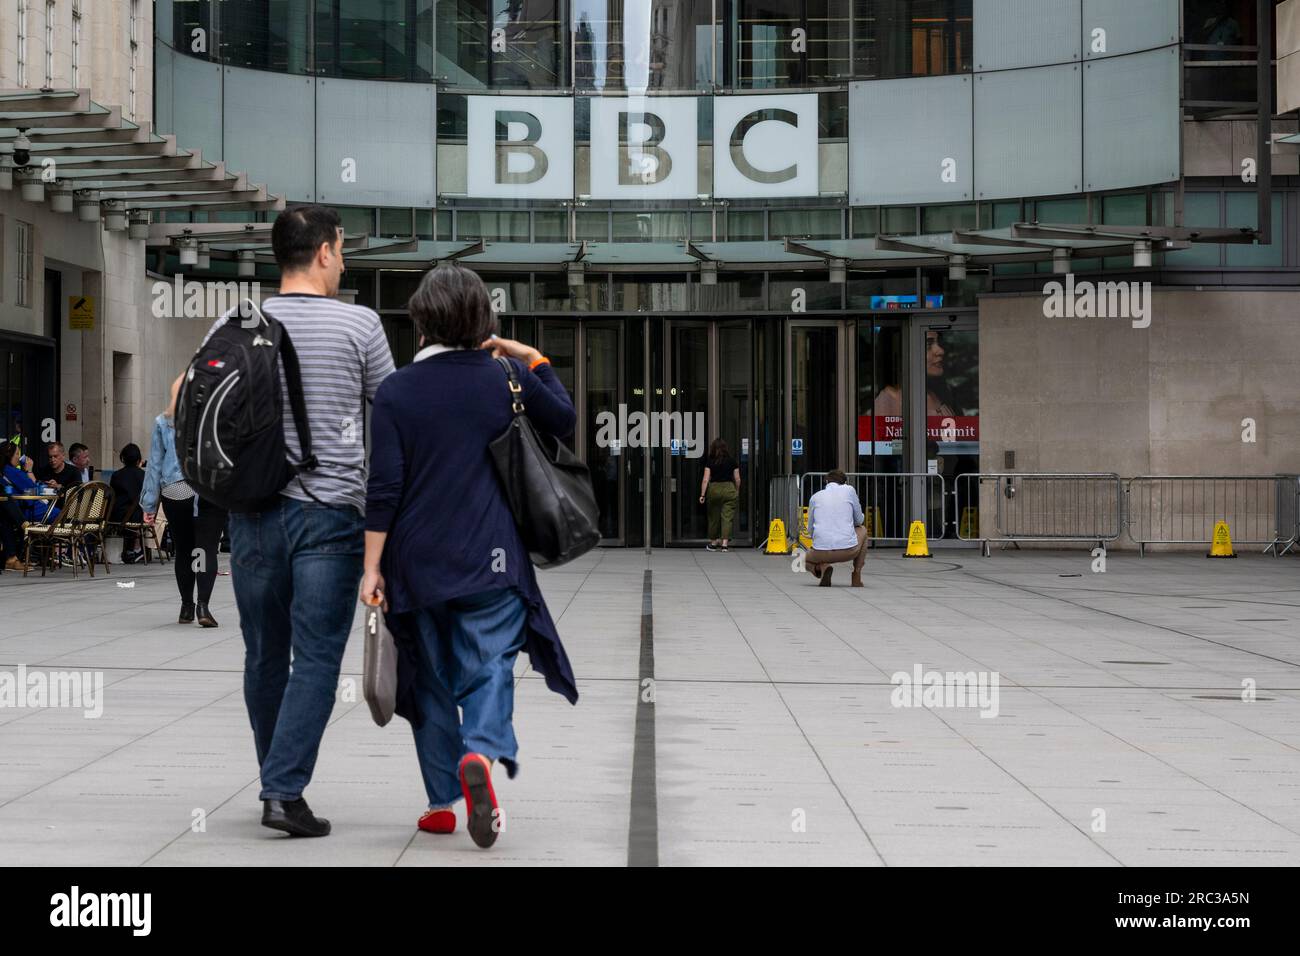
<point>721,489</point>
<point>835,524</point>
<point>443,554</point>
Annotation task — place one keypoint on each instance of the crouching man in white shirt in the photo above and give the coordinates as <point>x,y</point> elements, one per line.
<point>836,528</point>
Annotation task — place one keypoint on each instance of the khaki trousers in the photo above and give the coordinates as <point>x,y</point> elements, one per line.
<point>857,555</point>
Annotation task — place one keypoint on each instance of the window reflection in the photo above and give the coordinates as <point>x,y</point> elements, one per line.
<point>642,45</point>
<point>617,45</point>
<point>780,43</point>
<point>508,44</point>
<point>895,38</point>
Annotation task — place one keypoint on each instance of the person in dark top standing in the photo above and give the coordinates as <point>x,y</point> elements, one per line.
<point>721,489</point>
<point>443,554</point>
<point>127,483</point>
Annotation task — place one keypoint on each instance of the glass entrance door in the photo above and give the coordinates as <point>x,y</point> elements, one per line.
<point>949,366</point>
<point>708,388</point>
<point>604,393</point>
<point>816,409</point>
<point>884,435</point>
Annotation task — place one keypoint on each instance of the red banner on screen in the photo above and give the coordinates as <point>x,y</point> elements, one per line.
<point>946,428</point>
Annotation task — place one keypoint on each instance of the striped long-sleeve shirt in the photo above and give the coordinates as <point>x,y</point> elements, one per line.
<point>344,355</point>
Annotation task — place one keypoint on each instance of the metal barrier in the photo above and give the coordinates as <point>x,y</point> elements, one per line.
<point>890,500</point>
<point>1028,507</point>
<point>1183,509</point>
<point>1288,513</point>
<point>1153,509</point>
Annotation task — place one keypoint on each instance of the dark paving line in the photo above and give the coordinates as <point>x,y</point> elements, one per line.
<point>643,822</point>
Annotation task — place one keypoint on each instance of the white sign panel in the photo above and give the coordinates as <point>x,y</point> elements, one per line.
<point>775,156</point>
<point>643,147</point>
<point>520,147</point>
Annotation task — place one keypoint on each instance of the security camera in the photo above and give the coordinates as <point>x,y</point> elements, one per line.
<point>22,149</point>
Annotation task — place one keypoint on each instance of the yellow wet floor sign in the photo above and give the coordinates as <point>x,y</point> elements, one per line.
<point>1221,546</point>
<point>970,523</point>
<point>776,543</point>
<point>917,546</point>
<point>872,521</point>
<point>805,541</point>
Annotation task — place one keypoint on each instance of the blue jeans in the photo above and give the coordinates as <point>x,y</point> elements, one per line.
<point>296,568</point>
<point>467,649</point>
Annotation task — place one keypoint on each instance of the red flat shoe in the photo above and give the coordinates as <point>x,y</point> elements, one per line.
<point>438,821</point>
<point>480,800</point>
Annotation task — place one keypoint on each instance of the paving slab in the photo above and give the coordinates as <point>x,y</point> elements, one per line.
<point>1148,715</point>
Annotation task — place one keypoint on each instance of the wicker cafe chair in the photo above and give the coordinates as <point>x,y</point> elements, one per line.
<point>92,522</point>
<point>79,527</point>
<point>133,523</point>
<point>49,538</point>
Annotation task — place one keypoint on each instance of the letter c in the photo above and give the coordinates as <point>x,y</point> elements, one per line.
<point>746,168</point>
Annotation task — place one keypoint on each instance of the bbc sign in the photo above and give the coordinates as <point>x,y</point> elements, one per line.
<point>522,147</point>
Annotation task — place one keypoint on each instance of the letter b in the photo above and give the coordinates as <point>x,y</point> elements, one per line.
<point>632,157</point>
<point>525,145</point>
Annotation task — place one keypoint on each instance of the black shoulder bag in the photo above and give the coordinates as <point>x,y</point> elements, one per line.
<point>548,488</point>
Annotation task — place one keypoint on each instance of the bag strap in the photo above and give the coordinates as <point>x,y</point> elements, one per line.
<point>293,379</point>
<point>516,390</point>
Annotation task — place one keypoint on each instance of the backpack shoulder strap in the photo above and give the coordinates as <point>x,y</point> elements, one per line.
<point>293,379</point>
<point>512,381</point>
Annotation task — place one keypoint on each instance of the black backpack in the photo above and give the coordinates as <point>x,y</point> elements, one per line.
<point>230,413</point>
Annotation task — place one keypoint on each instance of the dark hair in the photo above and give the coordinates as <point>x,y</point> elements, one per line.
<point>299,232</point>
<point>837,475</point>
<point>130,455</point>
<point>719,450</point>
<point>52,445</point>
<point>6,452</point>
<point>451,307</point>
<point>76,448</point>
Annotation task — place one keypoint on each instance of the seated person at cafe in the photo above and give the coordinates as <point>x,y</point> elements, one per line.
<point>18,480</point>
<point>11,513</point>
<point>59,473</point>
<point>127,482</point>
<point>836,528</point>
<point>79,455</point>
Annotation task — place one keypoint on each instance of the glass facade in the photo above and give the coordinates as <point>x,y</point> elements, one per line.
<point>599,46</point>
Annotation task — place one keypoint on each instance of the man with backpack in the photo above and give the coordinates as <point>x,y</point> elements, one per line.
<point>293,474</point>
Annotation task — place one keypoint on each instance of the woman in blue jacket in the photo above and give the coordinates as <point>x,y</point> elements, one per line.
<point>443,554</point>
<point>18,480</point>
<point>196,523</point>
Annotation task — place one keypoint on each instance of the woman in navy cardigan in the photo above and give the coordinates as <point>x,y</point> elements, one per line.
<point>443,554</point>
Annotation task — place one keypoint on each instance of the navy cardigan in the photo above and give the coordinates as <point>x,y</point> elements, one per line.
<point>433,487</point>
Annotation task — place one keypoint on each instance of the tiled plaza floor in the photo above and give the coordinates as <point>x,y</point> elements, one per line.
<point>1121,736</point>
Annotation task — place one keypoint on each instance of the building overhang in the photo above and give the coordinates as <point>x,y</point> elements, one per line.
<point>79,145</point>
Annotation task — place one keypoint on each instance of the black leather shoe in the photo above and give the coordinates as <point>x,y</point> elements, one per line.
<point>205,616</point>
<point>294,817</point>
<point>187,613</point>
